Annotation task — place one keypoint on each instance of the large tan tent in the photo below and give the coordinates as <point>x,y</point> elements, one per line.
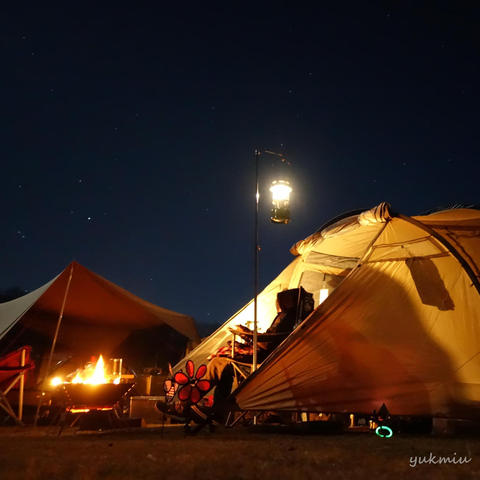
<point>99,317</point>
<point>403,328</point>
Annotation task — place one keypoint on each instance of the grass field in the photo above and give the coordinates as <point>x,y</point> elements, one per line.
<point>227,454</point>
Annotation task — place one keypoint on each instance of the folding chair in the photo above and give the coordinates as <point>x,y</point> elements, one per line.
<point>13,367</point>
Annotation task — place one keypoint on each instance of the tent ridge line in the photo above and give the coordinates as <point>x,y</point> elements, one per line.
<point>400,259</point>
<point>447,245</point>
<point>400,243</point>
<point>446,226</point>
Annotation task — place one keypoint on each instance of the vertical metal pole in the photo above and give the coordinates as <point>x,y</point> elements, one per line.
<point>255,281</point>
<point>52,349</point>
<point>22,386</point>
<point>59,322</point>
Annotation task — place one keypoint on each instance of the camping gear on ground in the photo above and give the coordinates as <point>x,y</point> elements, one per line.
<point>403,328</point>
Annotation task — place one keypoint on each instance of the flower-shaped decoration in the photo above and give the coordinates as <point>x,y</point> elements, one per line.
<point>192,387</point>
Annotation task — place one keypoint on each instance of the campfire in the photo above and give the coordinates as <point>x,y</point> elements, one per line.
<point>93,387</point>
<point>93,374</point>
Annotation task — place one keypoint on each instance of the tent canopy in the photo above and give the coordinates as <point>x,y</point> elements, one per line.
<point>99,316</point>
<point>403,328</point>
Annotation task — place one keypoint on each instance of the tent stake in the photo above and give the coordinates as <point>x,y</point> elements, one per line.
<point>52,349</point>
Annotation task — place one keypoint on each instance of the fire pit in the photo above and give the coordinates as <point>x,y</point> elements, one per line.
<point>81,397</point>
<point>92,388</point>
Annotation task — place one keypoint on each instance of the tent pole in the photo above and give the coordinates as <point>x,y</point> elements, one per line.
<point>255,267</point>
<point>22,386</point>
<point>298,314</point>
<point>54,341</point>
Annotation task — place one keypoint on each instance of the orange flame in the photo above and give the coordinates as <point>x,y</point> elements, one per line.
<point>91,375</point>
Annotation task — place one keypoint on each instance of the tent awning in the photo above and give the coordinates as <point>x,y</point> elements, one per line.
<point>97,312</point>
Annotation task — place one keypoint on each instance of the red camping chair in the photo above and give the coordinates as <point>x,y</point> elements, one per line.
<point>13,367</point>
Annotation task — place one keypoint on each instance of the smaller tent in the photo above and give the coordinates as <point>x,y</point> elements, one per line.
<point>99,318</point>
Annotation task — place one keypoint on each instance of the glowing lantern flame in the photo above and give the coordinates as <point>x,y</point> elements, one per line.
<point>280,191</point>
<point>280,201</point>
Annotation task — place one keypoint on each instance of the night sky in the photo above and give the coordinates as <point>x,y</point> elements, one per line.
<point>127,134</point>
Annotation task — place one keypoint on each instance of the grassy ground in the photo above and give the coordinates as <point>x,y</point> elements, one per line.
<point>226,454</point>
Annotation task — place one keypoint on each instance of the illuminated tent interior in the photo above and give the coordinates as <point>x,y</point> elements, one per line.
<point>316,278</point>
<point>402,328</point>
<point>99,318</point>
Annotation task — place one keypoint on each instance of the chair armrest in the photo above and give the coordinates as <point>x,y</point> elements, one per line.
<point>14,369</point>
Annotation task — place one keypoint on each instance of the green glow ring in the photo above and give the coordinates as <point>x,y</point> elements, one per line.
<point>379,429</point>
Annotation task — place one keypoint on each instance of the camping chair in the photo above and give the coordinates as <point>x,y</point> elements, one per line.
<point>294,306</point>
<point>13,367</point>
<point>236,358</point>
<point>266,342</point>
